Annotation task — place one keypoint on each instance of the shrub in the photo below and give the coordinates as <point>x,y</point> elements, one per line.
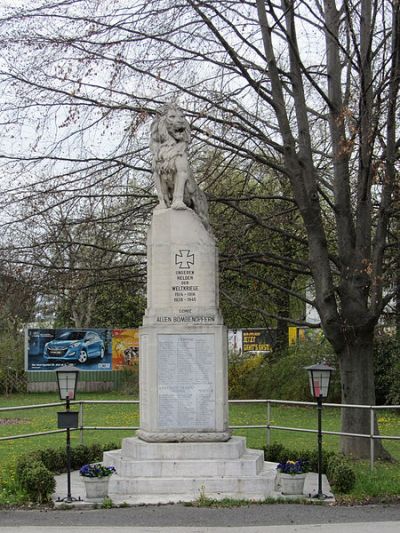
<point>80,455</point>
<point>95,453</point>
<point>244,376</point>
<point>276,452</point>
<point>111,446</point>
<point>23,462</point>
<point>55,459</point>
<point>38,482</point>
<point>49,461</point>
<point>285,377</point>
<point>280,375</point>
<point>280,454</point>
<point>340,474</point>
<point>83,454</point>
<point>337,469</point>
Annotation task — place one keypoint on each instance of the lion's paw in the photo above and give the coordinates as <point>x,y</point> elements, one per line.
<point>178,204</point>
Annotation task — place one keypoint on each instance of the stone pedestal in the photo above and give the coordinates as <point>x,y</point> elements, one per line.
<point>183,389</point>
<point>176,472</point>
<point>183,343</point>
<point>183,448</point>
<point>182,271</point>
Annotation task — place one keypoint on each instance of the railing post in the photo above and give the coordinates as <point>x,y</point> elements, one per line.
<point>268,433</point>
<point>81,422</point>
<point>371,438</point>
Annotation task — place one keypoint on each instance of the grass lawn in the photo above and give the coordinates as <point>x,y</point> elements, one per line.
<point>383,482</point>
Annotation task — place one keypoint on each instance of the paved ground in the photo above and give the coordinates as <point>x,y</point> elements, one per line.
<point>178,518</point>
<point>382,527</point>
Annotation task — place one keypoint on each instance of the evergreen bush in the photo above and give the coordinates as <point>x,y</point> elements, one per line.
<point>38,482</point>
<point>286,379</point>
<point>111,446</point>
<point>280,454</point>
<point>337,469</point>
<point>55,459</point>
<point>280,376</point>
<point>23,462</point>
<point>340,474</point>
<point>80,455</point>
<point>95,453</point>
<point>34,471</point>
<point>244,376</point>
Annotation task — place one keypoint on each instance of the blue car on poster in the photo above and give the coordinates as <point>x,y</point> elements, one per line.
<point>75,346</point>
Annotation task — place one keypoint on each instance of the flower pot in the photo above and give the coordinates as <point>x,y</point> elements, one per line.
<point>96,488</point>
<point>292,484</point>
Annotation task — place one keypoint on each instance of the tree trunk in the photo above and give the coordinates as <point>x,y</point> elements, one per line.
<point>283,310</point>
<point>358,388</point>
<point>397,299</point>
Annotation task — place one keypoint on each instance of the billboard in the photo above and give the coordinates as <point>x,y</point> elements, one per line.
<point>88,348</point>
<point>235,341</point>
<point>125,347</point>
<point>257,340</point>
<point>302,334</point>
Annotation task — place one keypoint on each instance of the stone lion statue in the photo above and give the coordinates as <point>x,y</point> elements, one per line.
<point>175,184</point>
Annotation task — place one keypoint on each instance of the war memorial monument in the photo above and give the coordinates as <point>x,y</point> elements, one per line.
<point>183,448</point>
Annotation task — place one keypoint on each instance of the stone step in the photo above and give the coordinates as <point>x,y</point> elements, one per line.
<point>157,499</point>
<point>134,448</point>
<point>249,464</point>
<point>245,487</point>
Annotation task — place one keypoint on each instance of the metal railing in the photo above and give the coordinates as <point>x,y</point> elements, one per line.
<point>268,426</point>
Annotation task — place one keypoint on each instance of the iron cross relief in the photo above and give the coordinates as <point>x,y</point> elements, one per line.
<point>184,259</point>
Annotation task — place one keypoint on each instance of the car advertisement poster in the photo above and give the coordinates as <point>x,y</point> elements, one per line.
<point>47,349</point>
<point>125,348</point>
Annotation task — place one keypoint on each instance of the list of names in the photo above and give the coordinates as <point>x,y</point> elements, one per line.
<point>186,382</point>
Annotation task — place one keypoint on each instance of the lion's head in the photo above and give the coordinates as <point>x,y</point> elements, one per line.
<point>168,128</point>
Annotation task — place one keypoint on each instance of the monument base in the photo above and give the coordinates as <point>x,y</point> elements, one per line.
<point>182,472</point>
<point>183,384</point>
<point>148,436</point>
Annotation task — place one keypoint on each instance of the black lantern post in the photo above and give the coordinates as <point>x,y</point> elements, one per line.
<point>320,377</point>
<point>67,380</point>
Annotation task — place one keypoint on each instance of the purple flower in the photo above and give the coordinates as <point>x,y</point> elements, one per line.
<point>96,470</point>
<point>291,467</point>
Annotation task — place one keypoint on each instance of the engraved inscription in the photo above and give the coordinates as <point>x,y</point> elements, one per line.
<point>144,397</point>
<point>184,286</point>
<point>186,382</point>
<point>184,259</point>
<point>187,319</point>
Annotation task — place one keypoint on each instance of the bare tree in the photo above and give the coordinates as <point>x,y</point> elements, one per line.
<point>76,247</point>
<point>308,89</point>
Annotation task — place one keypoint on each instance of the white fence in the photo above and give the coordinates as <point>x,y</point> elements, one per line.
<point>268,426</point>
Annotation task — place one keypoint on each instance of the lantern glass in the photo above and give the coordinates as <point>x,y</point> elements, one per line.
<point>319,378</point>
<point>67,379</point>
